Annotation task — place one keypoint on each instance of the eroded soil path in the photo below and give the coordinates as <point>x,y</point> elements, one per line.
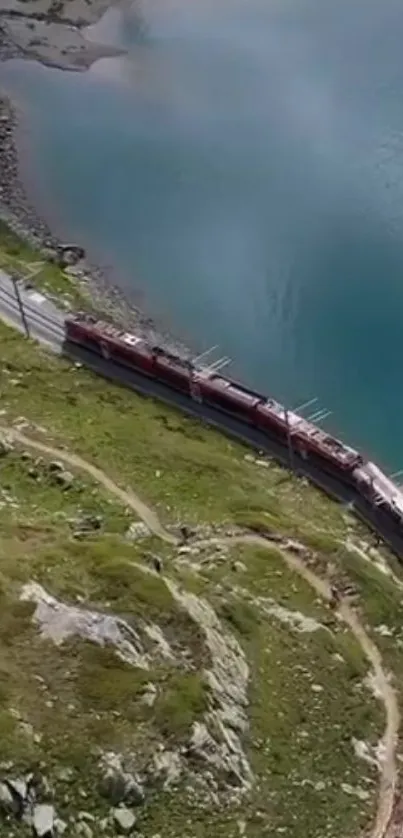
<point>388,770</point>
<point>126,496</point>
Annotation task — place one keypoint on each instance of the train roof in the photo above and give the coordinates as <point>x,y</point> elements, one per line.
<point>111,331</point>
<point>384,486</point>
<point>232,388</point>
<point>102,327</point>
<point>297,424</point>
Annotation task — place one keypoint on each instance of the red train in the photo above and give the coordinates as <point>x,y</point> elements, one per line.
<point>224,394</point>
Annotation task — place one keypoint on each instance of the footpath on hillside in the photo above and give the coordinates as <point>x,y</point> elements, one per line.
<point>388,771</point>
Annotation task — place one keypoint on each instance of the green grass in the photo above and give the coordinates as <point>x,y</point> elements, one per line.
<point>267,576</point>
<point>184,469</point>
<point>81,697</point>
<point>184,698</point>
<point>104,682</point>
<point>304,734</point>
<point>30,494</point>
<point>18,256</point>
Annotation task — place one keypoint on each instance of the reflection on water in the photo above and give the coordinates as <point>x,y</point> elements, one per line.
<point>242,168</point>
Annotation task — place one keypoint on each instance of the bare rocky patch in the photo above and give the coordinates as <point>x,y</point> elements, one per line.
<point>52,32</point>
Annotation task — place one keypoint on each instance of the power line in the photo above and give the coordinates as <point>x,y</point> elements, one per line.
<point>24,320</point>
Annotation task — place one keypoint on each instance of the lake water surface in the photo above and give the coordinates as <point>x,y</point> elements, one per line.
<point>242,168</point>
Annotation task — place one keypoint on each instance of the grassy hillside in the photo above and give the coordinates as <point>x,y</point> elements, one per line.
<point>16,255</point>
<point>223,693</point>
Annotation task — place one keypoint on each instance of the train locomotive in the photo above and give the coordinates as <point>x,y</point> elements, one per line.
<point>205,385</point>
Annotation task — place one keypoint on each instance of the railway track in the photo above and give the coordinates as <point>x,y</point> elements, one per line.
<point>46,325</point>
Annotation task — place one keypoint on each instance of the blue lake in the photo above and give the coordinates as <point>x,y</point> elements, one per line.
<point>242,169</point>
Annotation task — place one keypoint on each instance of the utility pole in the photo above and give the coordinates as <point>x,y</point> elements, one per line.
<point>289,440</point>
<point>24,320</point>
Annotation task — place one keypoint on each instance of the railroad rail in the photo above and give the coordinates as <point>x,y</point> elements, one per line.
<point>202,391</point>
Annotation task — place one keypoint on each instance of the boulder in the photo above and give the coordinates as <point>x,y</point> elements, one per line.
<point>149,694</point>
<point>137,530</point>
<point>5,447</point>
<point>84,830</point>
<point>239,567</point>
<point>56,466</point>
<point>43,821</point>
<point>119,786</point>
<point>65,479</point>
<point>124,819</point>
<point>7,803</point>
<point>19,787</point>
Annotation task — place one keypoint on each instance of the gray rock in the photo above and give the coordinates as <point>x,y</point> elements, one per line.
<point>64,479</point>
<point>5,447</point>
<point>119,786</point>
<point>56,466</point>
<point>6,765</point>
<point>86,816</point>
<point>84,829</point>
<point>7,803</point>
<point>20,788</point>
<point>137,530</point>
<point>87,524</point>
<point>43,820</point>
<point>149,694</point>
<point>17,806</point>
<point>113,786</point>
<point>134,792</point>
<point>167,767</point>
<point>40,788</point>
<point>65,774</point>
<point>239,567</point>
<point>124,818</point>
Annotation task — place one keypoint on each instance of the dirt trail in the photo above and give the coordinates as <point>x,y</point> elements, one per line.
<point>388,771</point>
<point>388,774</point>
<point>126,496</point>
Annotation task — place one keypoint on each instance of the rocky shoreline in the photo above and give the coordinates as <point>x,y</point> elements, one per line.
<point>18,213</point>
<point>63,46</point>
<point>52,31</point>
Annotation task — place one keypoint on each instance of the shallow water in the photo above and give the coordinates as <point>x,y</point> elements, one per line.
<point>242,168</point>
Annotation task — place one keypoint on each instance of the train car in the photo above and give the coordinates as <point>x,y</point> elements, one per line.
<point>314,440</point>
<point>131,351</point>
<point>380,491</point>
<point>310,441</point>
<point>271,418</point>
<point>173,370</point>
<point>224,394</point>
<point>228,396</point>
<point>110,342</point>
